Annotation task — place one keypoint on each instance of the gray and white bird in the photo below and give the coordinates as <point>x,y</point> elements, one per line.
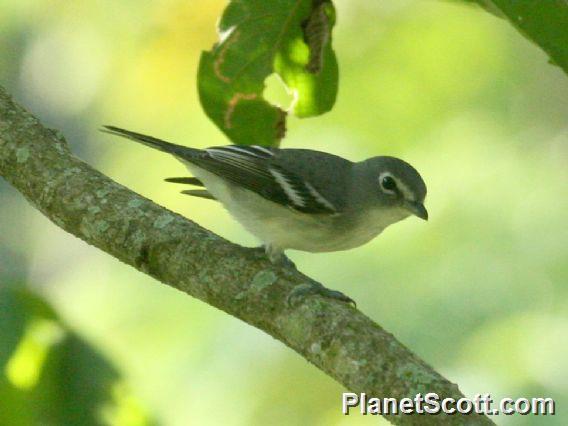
<point>299,198</point>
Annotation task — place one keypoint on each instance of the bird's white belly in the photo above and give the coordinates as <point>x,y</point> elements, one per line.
<point>284,227</point>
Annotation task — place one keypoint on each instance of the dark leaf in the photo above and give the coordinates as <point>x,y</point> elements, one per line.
<point>50,375</point>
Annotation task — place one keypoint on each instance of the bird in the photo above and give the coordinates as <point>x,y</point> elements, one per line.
<point>298,199</point>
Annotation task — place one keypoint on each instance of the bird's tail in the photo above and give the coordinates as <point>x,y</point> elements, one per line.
<point>179,151</point>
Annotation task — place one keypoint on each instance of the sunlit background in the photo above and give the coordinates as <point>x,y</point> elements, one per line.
<point>480,291</point>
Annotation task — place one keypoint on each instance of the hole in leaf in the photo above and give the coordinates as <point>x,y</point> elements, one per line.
<point>277,93</point>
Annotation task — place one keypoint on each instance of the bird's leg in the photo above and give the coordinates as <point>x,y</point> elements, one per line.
<point>314,288</point>
<point>277,257</point>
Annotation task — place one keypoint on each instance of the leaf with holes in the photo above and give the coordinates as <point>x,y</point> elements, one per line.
<point>258,38</point>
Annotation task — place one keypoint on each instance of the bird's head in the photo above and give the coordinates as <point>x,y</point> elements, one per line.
<point>397,186</point>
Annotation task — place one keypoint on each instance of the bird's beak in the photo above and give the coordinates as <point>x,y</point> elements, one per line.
<point>417,209</point>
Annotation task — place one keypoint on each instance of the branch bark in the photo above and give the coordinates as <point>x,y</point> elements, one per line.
<point>335,337</point>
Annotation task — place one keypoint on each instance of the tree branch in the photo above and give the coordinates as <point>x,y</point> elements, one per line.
<point>333,336</point>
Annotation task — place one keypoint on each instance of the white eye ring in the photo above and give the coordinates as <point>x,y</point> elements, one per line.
<point>388,183</point>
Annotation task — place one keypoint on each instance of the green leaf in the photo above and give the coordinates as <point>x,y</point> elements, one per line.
<point>544,22</point>
<point>259,37</point>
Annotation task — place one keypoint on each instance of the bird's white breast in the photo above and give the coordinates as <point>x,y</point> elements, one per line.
<point>286,228</point>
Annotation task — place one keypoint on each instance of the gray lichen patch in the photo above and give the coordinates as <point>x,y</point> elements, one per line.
<point>22,154</point>
<point>71,171</point>
<point>92,229</point>
<point>137,238</point>
<point>315,348</point>
<point>135,203</point>
<point>415,375</point>
<point>162,220</point>
<point>294,326</point>
<point>103,192</point>
<point>101,226</point>
<point>263,279</point>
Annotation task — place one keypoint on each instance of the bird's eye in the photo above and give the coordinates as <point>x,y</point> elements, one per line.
<point>388,184</point>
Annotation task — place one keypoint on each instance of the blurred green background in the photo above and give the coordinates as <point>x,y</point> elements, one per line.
<point>479,291</point>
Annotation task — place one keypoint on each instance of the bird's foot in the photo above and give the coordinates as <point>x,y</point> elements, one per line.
<point>278,258</point>
<point>314,288</point>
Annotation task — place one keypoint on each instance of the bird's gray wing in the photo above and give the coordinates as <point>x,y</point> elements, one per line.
<point>328,175</point>
<point>267,172</point>
<point>298,179</point>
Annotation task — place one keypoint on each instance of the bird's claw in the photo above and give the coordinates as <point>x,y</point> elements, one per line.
<point>314,288</point>
<point>278,258</point>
